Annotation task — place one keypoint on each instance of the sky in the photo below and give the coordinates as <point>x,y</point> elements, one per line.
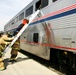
<point>9,8</point>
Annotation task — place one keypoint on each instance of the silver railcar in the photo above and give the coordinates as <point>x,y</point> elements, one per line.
<point>51,36</point>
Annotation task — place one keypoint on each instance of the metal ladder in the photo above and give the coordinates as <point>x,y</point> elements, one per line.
<point>21,31</point>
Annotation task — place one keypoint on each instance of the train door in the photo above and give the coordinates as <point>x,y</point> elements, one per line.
<point>37,47</point>
<point>65,37</point>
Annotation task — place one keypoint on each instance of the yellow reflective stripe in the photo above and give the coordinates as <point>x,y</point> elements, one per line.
<point>16,43</point>
<point>16,48</point>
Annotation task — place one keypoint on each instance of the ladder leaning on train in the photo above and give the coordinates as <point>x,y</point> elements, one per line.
<point>21,31</point>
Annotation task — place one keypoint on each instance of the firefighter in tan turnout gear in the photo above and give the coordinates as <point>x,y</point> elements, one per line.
<point>3,44</point>
<point>14,51</point>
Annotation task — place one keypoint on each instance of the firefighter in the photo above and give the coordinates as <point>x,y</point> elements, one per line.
<point>24,21</point>
<point>6,37</point>
<point>14,51</point>
<point>16,45</point>
<point>2,46</point>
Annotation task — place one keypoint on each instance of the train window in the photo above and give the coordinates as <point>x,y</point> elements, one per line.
<point>38,4</point>
<point>41,4</point>
<point>35,37</point>
<point>54,0</point>
<point>21,16</point>
<point>12,22</point>
<point>16,19</point>
<point>29,11</point>
<point>44,3</point>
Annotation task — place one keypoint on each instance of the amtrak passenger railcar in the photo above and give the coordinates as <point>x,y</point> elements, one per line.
<point>51,36</point>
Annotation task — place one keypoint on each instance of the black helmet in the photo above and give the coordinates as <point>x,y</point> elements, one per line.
<point>9,34</point>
